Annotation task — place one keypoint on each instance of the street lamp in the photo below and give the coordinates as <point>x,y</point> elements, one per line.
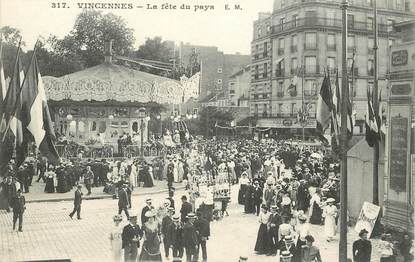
<point>142,116</point>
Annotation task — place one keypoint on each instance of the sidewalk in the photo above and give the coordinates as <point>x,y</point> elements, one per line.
<point>37,194</point>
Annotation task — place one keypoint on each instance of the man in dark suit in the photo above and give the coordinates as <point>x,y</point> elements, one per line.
<point>274,223</point>
<point>269,194</point>
<point>362,248</point>
<point>131,236</point>
<point>77,203</point>
<point>190,238</point>
<point>123,202</point>
<point>19,206</point>
<point>175,237</point>
<point>165,225</point>
<point>148,207</point>
<point>203,230</point>
<point>170,198</point>
<point>186,209</point>
<point>257,197</point>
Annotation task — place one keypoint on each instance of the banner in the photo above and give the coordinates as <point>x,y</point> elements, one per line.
<point>367,218</point>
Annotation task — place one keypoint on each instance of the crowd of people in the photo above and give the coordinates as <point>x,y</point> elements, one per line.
<point>289,188</point>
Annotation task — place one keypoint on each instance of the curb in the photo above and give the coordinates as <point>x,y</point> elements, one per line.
<point>106,196</point>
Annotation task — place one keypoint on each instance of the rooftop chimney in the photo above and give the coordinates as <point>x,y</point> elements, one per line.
<point>108,51</point>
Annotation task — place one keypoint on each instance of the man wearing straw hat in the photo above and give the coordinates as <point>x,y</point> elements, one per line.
<point>190,237</point>
<point>175,238</point>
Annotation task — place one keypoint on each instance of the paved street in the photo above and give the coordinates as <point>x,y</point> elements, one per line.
<point>50,234</point>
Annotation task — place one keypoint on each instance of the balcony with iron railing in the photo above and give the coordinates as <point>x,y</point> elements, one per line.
<point>313,22</point>
<point>293,48</point>
<point>279,72</point>
<point>312,70</point>
<point>331,47</point>
<point>309,93</point>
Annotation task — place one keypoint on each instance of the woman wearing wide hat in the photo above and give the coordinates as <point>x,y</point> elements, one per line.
<point>151,245</point>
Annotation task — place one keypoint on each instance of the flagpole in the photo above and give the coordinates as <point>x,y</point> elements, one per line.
<point>375,108</point>
<point>302,96</point>
<point>343,141</point>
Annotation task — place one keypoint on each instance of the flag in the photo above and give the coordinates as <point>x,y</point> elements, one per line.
<point>10,126</point>
<point>3,87</point>
<point>382,119</point>
<point>34,114</point>
<point>190,86</point>
<point>371,123</point>
<point>324,106</point>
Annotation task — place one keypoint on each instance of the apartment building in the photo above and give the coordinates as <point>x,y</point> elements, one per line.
<point>294,46</point>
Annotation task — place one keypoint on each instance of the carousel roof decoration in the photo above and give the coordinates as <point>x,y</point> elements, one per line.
<point>109,81</point>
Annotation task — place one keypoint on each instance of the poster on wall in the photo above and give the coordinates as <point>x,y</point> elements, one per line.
<point>367,217</point>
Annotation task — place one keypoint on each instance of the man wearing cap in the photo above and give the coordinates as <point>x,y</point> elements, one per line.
<point>165,225</point>
<point>148,207</point>
<point>186,209</point>
<point>19,206</point>
<point>77,203</point>
<point>362,248</point>
<point>190,237</point>
<point>131,236</point>
<point>123,202</point>
<point>203,230</point>
<point>175,237</point>
<point>274,224</point>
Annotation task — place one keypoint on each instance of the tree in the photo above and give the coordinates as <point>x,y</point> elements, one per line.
<point>92,29</point>
<point>10,40</point>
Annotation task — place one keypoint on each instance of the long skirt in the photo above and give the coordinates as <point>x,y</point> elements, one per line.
<point>147,256</point>
<point>315,218</point>
<point>49,188</point>
<point>241,194</point>
<point>330,226</point>
<point>263,242</point>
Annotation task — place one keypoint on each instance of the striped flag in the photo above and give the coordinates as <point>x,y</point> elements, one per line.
<point>324,106</point>
<point>372,129</point>
<point>3,87</point>
<point>34,114</point>
<point>10,126</point>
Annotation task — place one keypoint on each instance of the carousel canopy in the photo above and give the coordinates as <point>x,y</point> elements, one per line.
<point>108,81</point>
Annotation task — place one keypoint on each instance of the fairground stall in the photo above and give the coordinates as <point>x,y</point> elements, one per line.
<point>107,105</point>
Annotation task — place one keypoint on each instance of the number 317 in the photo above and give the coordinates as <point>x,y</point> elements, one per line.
<point>58,5</point>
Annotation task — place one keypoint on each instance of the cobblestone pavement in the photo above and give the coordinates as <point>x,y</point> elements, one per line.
<point>37,194</point>
<point>48,233</point>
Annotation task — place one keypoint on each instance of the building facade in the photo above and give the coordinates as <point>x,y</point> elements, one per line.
<point>216,67</point>
<point>294,46</point>
<point>238,90</point>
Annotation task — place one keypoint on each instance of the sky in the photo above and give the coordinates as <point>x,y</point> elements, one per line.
<point>230,31</point>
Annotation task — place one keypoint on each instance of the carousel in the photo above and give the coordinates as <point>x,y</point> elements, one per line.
<point>100,105</point>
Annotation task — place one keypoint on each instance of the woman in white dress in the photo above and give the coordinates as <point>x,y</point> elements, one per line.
<point>330,214</point>
<point>116,239</point>
<point>133,175</point>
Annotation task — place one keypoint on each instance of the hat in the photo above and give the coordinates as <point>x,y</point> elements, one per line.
<point>132,217</point>
<point>243,258</point>
<point>286,254</point>
<point>274,207</point>
<point>302,217</point>
<point>117,218</point>
<point>363,231</point>
<point>150,213</point>
<point>285,201</point>
<point>330,200</point>
<point>288,239</point>
<point>148,199</point>
<point>176,217</point>
<point>170,209</point>
<point>191,215</point>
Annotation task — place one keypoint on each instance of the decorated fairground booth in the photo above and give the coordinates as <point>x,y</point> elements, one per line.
<point>108,103</point>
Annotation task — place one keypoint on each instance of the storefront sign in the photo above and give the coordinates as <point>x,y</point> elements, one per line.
<point>401,90</point>
<point>400,58</point>
<point>367,217</point>
<point>399,152</point>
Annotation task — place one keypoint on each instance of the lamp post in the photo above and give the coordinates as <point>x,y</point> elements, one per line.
<point>142,115</point>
